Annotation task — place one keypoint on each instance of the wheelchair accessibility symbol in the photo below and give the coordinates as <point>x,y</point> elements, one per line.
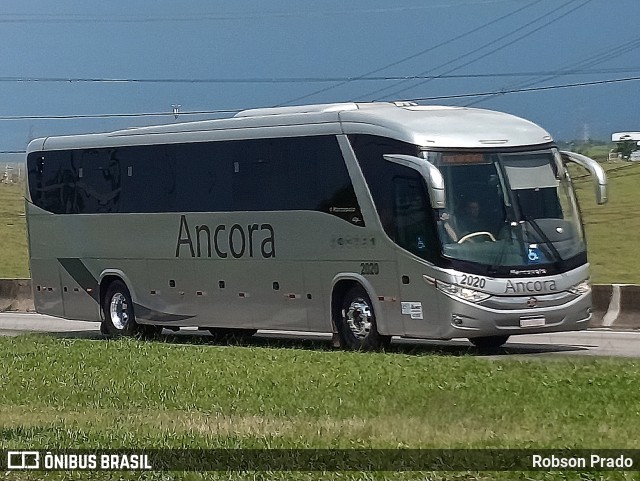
<point>534,256</point>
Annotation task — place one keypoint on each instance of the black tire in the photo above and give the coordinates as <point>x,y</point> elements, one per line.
<point>119,317</point>
<point>489,343</point>
<point>356,322</point>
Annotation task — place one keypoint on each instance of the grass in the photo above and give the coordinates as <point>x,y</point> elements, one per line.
<point>612,228</point>
<point>14,260</point>
<point>78,393</point>
<point>596,152</point>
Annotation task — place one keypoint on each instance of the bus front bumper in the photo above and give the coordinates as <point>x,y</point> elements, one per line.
<point>518,315</point>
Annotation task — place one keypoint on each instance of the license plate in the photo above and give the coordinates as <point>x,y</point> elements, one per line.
<point>532,321</point>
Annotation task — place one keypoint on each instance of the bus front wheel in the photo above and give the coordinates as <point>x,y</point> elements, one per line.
<point>488,343</point>
<point>119,318</point>
<point>356,322</point>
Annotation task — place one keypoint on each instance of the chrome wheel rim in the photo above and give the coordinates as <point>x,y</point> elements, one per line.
<point>358,316</point>
<point>118,310</point>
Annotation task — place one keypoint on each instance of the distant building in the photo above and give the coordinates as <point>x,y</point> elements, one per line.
<point>628,144</point>
<point>625,136</point>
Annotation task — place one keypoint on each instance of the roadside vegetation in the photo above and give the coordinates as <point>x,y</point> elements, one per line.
<point>14,260</point>
<point>97,394</point>
<point>612,228</point>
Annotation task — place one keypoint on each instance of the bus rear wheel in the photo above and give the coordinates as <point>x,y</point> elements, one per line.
<point>119,318</point>
<point>488,343</point>
<point>356,322</point>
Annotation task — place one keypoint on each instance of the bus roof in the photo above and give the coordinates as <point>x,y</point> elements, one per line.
<point>425,126</point>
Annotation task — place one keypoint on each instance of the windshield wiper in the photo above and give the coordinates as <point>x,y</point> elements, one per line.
<point>545,239</point>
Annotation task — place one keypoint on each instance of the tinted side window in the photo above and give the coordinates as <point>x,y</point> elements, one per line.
<point>399,194</point>
<point>57,181</point>
<point>148,178</point>
<point>52,178</point>
<point>99,180</point>
<point>76,182</point>
<point>298,173</point>
<point>379,173</point>
<point>204,176</point>
<point>411,215</point>
<point>256,172</point>
<point>305,173</point>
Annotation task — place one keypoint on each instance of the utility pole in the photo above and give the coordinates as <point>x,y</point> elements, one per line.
<point>586,134</point>
<point>176,110</point>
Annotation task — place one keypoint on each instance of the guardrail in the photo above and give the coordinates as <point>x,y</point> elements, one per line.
<point>16,295</point>
<point>615,306</point>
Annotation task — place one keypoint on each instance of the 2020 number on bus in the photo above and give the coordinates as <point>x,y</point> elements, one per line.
<point>369,268</point>
<point>473,281</point>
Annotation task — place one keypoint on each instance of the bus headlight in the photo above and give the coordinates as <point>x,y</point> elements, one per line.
<point>464,293</point>
<point>580,289</point>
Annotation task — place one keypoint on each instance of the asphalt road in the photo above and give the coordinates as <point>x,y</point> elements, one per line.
<point>596,342</point>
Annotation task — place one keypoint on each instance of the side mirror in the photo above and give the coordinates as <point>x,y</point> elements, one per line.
<point>430,173</point>
<point>596,171</point>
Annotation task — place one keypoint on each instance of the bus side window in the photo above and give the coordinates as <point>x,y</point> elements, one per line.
<point>390,183</point>
<point>99,186</point>
<point>410,214</point>
<point>52,181</point>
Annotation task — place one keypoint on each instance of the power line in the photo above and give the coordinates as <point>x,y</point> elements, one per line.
<point>114,116</point>
<point>433,69</point>
<point>271,80</point>
<point>233,111</point>
<point>603,56</point>
<point>70,18</point>
<point>412,56</point>
<point>495,41</point>
<point>529,89</point>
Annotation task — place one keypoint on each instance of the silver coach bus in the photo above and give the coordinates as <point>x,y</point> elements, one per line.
<point>362,220</point>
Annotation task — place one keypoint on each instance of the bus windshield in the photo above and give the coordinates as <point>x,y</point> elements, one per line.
<point>506,209</point>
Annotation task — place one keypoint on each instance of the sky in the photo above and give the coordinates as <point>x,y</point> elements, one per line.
<point>83,66</point>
